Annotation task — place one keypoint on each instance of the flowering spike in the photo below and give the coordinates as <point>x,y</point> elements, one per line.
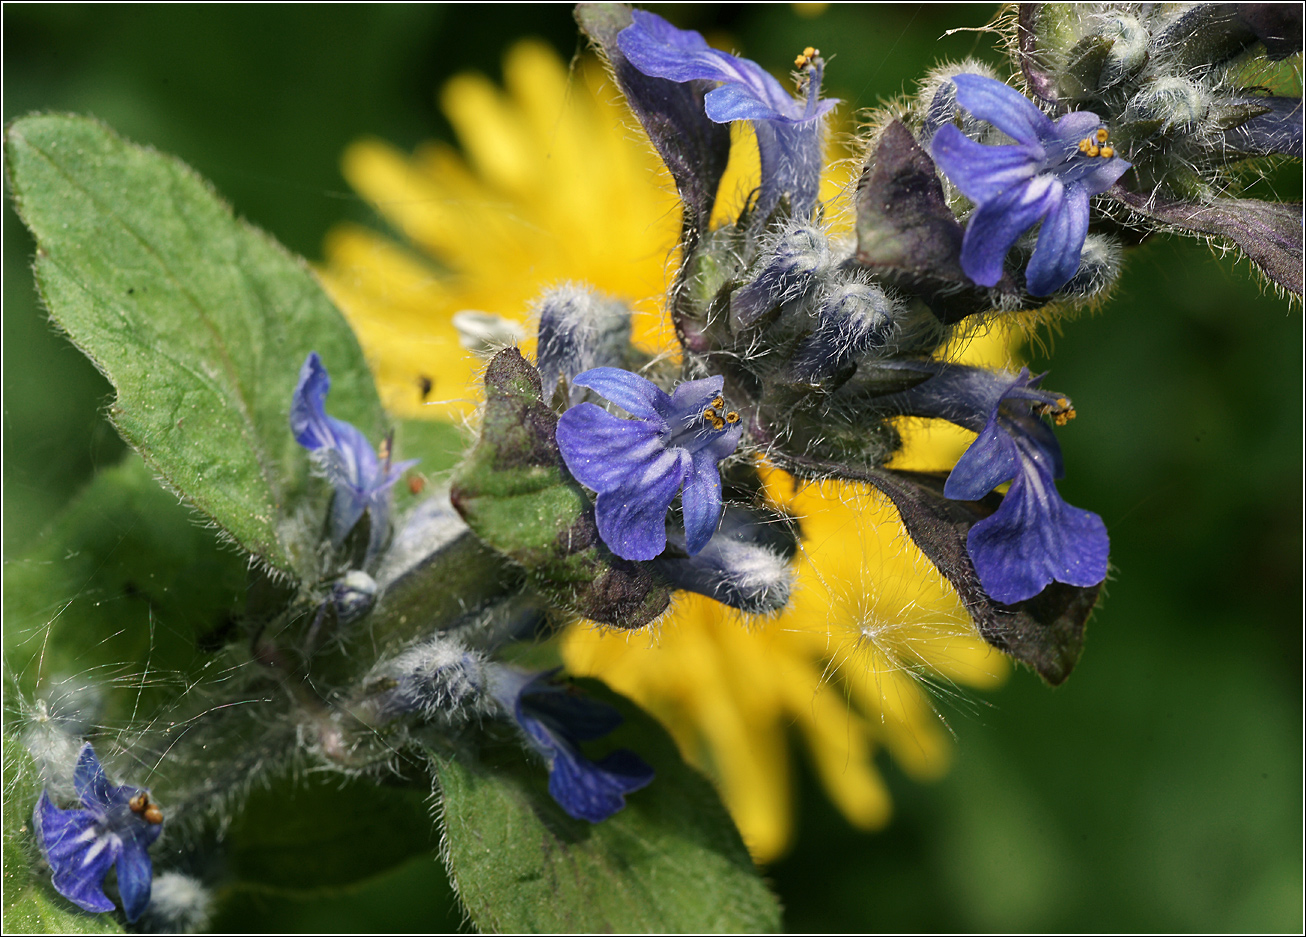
<point>554,721</point>
<point>1044,176</point>
<point>637,466</point>
<point>361,481</point>
<point>114,826</point>
<point>788,129</point>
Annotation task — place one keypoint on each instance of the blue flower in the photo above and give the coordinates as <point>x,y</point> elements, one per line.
<point>362,482</point>
<point>1034,537</point>
<point>1047,175</point>
<point>113,825</point>
<point>555,720</point>
<point>638,465</point>
<point>788,129</point>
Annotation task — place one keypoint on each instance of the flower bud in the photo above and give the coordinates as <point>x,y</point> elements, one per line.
<point>1128,54</point>
<point>579,330</point>
<point>437,680</point>
<point>1176,102</point>
<point>854,318</point>
<point>786,273</point>
<point>353,596</point>
<point>179,904</point>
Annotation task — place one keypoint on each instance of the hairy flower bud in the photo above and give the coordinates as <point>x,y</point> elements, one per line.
<point>854,318</point>
<point>438,680</point>
<point>179,904</point>
<point>579,330</point>
<point>1176,103</point>
<point>785,273</point>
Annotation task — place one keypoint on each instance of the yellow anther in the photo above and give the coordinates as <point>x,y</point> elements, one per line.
<point>139,802</point>
<point>1062,412</point>
<point>709,414</point>
<point>800,61</point>
<point>1084,144</point>
<point>383,450</point>
<point>732,417</point>
<point>805,57</point>
<point>718,423</point>
<point>1107,152</point>
<point>153,814</point>
<point>1093,150</point>
<point>1101,135</point>
<point>718,402</point>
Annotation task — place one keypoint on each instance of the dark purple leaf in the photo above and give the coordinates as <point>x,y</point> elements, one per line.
<point>1276,129</point>
<point>1045,632</point>
<point>1270,233</point>
<point>694,148</point>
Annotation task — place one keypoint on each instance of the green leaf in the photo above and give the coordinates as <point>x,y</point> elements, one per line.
<point>31,905</point>
<point>311,835</point>
<point>413,898</point>
<point>670,861</point>
<point>124,588</point>
<point>200,321</point>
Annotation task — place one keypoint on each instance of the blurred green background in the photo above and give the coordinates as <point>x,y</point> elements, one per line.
<point>1159,790</point>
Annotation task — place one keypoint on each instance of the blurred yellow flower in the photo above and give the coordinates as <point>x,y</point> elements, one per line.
<point>555,182</point>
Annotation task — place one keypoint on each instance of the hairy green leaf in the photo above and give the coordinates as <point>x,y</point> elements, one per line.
<point>310,835</point>
<point>200,321</point>
<point>670,861</point>
<point>125,593</point>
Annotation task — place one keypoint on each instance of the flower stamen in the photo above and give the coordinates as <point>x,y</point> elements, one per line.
<point>1061,412</point>
<point>142,807</point>
<point>1096,145</point>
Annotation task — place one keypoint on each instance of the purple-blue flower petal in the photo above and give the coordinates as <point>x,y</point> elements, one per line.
<point>632,519</point>
<point>555,720</point>
<point>636,395</point>
<point>585,719</point>
<point>661,50</point>
<point>1060,243</point>
<point>1104,174</point>
<point>692,397</point>
<point>1070,128</point>
<point>79,857</point>
<point>990,461</point>
<point>595,791</point>
<point>1035,538</point>
<point>996,225</point>
<point>602,451</point>
<point>345,457</point>
<point>93,788</point>
<point>983,172</point>
<point>135,873</point>
<point>1004,107</point>
<point>701,501</point>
